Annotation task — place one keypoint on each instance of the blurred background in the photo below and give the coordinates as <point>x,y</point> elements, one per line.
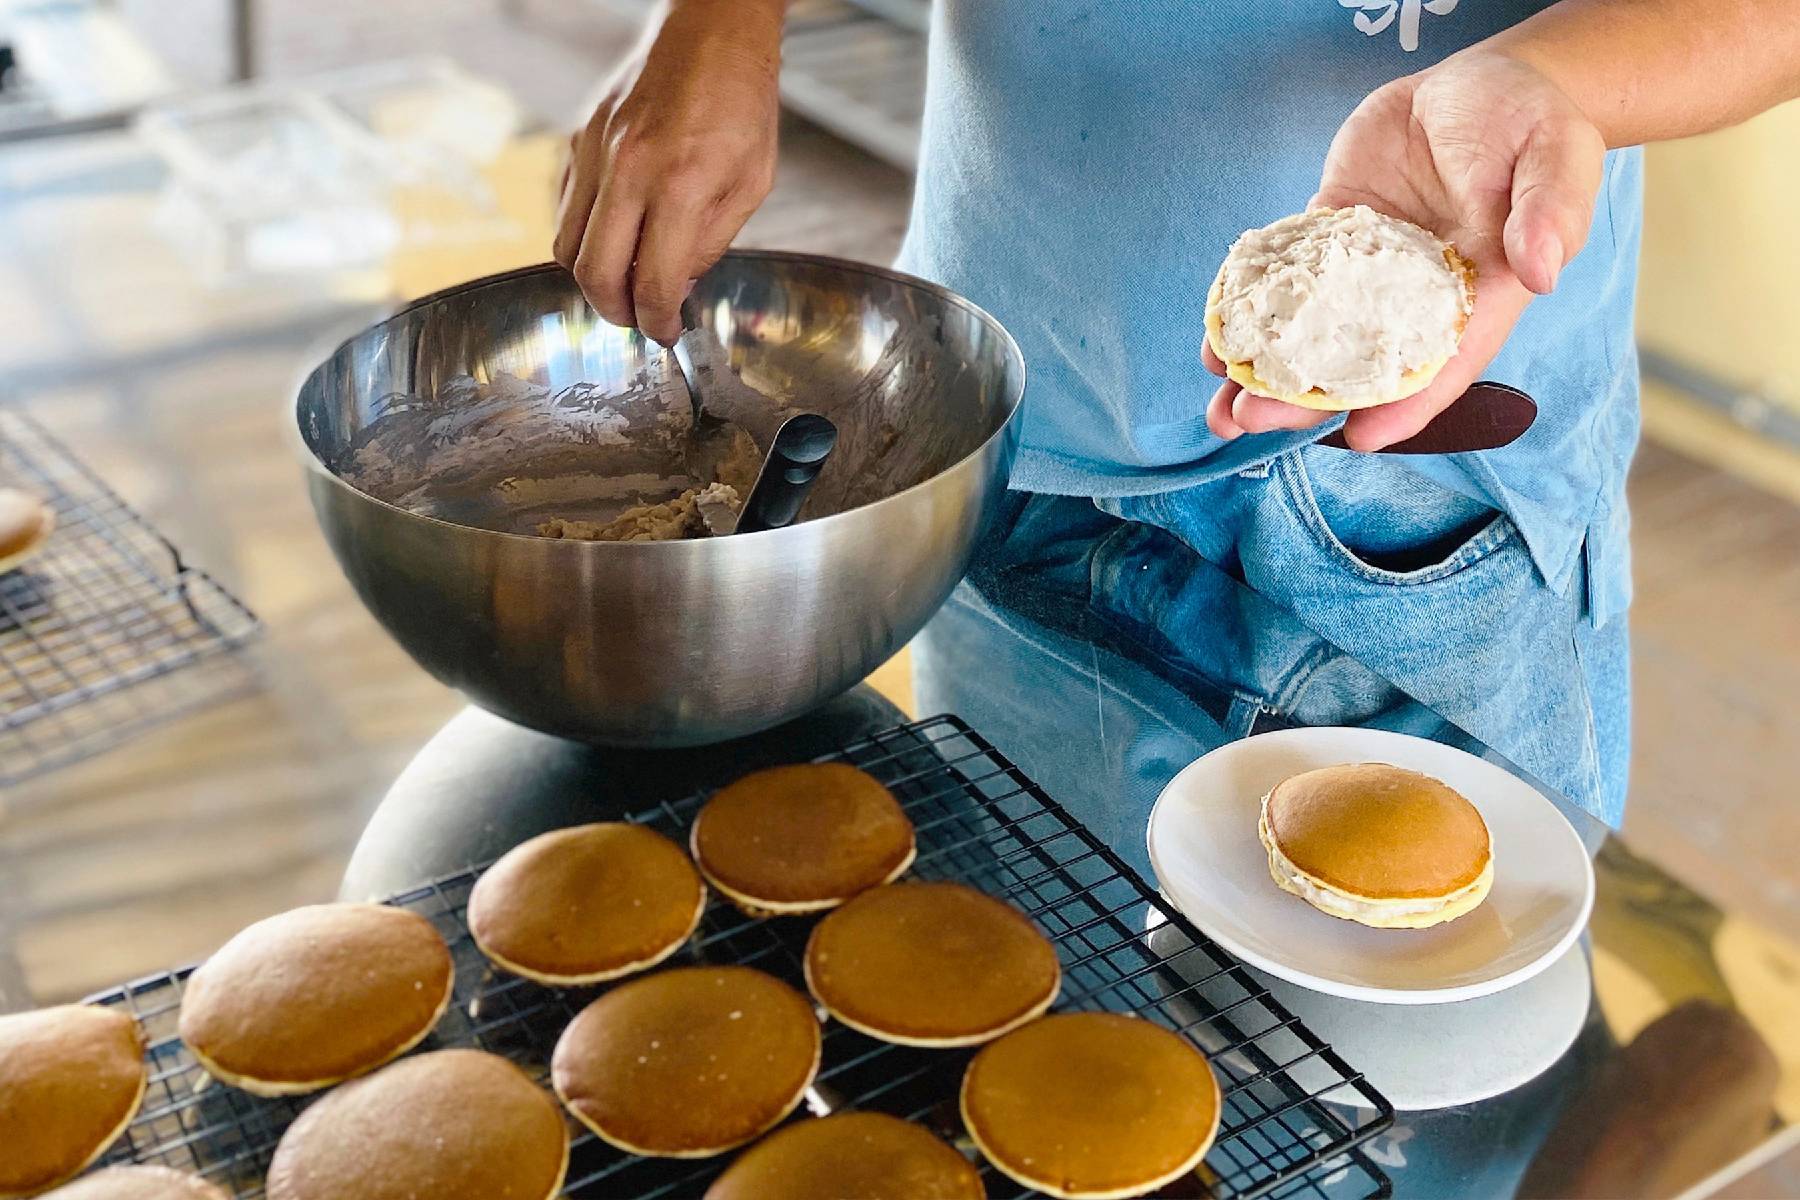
<point>198,196</point>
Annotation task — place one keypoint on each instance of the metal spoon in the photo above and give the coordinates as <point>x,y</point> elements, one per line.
<point>794,449</point>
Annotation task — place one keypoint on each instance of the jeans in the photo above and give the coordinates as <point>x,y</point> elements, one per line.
<point>1104,650</point>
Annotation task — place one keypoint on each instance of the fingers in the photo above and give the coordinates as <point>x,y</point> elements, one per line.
<point>581,185</point>
<point>1372,429</point>
<point>1555,180</point>
<point>1218,411</point>
<point>673,227</point>
<point>1499,300</point>
<point>603,264</point>
<point>1213,362</point>
<point>1259,414</point>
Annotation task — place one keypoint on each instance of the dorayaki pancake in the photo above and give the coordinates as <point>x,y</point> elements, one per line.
<point>1091,1105</point>
<point>1379,831</point>
<point>931,964</point>
<point>138,1183</point>
<point>1339,309</point>
<point>851,1156</point>
<point>25,523</point>
<point>71,1079</point>
<point>690,1062</point>
<point>315,995</point>
<point>587,904</point>
<point>802,838</point>
<point>451,1125</point>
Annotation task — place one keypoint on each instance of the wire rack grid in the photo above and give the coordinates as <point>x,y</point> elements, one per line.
<point>978,819</point>
<point>100,627</point>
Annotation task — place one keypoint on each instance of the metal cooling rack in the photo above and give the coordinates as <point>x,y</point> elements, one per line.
<point>978,819</point>
<point>105,631</point>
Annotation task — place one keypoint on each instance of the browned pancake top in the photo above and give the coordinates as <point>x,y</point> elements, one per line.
<point>22,520</point>
<point>69,1079</point>
<point>138,1183</point>
<point>866,1155</point>
<point>585,901</point>
<point>795,835</point>
<point>318,993</point>
<point>1091,1102</point>
<point>693,1060</point>
<point>451,1125</point>
<point>1378,830</point>
<point>930,961</point>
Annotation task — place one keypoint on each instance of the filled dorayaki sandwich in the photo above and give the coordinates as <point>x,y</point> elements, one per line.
<point>1377,844</point>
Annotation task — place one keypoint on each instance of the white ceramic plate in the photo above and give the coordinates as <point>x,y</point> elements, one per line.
<point>1445,1054</point>
<point>1211,865</point>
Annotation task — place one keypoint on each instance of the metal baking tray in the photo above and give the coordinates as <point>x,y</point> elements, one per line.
<point>979,820</point>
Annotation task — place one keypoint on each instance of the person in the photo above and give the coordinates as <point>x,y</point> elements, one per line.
<point>1083,168</point>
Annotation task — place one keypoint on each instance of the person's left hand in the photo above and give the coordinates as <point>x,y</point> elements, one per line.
<point>1493,157</point>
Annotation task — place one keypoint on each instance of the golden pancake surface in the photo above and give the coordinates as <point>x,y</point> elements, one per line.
<point>138,1183</point>
<point>689,1062</point>
<point>865,1155</point>
<point>1377,830</point>
<point>71,1079</point>
<point>25,524</point>
<point>449,1125</point>
<point>587,904</point>
<point>931,964</point>
<point>316,995</point>
<point>1091,1105</point>
<point>801,838</point>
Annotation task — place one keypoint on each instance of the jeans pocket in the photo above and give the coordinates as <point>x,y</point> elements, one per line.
<point>1436,551</point>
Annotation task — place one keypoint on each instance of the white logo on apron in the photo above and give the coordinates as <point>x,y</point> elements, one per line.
<point>1373,16</point>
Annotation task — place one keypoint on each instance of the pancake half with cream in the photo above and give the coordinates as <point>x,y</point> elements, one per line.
<point>1092,1105</point>
<point>931,964</point>
<point>801,838</point>
<point>583,905</point>
<point>1339,308</point>
<point>864,1155</point>
<point>451,1125</point>
<point>690,1062</point>
<point>316,995</point>
<point>138,1183</point>
<point>71,1079</point>
<point>1377,844</point>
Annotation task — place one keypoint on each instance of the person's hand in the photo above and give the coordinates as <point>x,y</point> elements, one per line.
<point>1490,155</point>
<point>678,154</point>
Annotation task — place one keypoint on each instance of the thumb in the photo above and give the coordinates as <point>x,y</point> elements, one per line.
<point>1555,179</point>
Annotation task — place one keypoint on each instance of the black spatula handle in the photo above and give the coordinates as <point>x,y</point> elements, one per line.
<point>799,451</point>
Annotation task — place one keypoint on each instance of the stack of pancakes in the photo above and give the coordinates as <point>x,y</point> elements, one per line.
<point>1377,844</point>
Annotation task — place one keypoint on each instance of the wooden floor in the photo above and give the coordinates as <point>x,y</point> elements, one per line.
<point>134,862</point>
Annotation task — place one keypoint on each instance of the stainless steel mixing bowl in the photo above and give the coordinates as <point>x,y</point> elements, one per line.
<point>667,643</point>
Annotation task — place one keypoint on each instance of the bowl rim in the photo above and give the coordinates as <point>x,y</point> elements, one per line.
<point>1007,428</point>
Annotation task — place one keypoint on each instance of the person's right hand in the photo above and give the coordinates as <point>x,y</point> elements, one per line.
<point>678,154</point>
